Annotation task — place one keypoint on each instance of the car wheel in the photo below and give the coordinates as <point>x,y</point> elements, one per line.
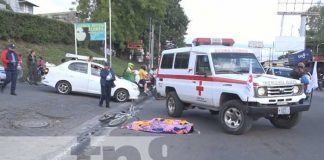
<point>63,87</point>
<point>234,118</point>
<point>174,105</point>
<point>121,95</point>
<point>285,121</point>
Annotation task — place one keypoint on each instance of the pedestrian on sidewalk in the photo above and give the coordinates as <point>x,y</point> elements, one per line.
<point>32,67</point>
<point>107,78</point>
<point>10,61</point>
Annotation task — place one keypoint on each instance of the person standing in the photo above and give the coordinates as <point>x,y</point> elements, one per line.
<point>107,78</point>
<point>129,73</point>
<point>10,61</point>
<point>32,67</point>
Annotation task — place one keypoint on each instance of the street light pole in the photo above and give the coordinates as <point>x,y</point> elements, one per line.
<point>110,32</point>
<point>318,46</point>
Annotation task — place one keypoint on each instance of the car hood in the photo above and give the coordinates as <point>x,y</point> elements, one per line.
<point>263,79</point>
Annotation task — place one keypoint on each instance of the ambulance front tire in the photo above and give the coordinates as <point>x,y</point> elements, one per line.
<point>234,118</point>
<point>174,105</point>
<point>285,121</point>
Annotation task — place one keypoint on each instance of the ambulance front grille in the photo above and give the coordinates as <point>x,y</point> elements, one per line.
<point>275,91</point>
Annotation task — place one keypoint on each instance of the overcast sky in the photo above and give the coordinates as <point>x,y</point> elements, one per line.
<point>243,20</point>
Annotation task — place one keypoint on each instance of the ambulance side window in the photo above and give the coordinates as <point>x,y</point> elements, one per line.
<point>181,61</point>
<point>202,65</point>
<point>167,61</point>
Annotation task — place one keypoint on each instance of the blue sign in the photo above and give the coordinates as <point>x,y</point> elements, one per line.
<point>300,56</point>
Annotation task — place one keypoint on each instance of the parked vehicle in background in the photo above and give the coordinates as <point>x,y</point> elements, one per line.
<point>279,71</point>
<point>83,76</point>
<point>2,75</point>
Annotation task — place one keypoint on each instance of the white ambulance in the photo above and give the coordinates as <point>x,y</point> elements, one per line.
<point>213,75</point>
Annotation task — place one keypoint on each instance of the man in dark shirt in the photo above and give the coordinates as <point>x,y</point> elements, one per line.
<point>10,61</point>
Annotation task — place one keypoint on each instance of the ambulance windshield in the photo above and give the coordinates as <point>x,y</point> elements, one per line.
<point>228,63</point>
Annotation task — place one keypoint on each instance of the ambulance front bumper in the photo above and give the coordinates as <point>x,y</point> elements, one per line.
<point>277,109</point>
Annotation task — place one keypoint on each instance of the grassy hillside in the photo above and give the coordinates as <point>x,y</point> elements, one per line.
<point>53,53</point>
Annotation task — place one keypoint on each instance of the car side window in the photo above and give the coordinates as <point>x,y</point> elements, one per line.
<point>95,70</point>
<point>181,60</point>
<point>167,61</point>
<point>202,65</point>
<point>79,67</point>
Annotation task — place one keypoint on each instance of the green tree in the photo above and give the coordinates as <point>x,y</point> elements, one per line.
<point>130,19</point>
<point>315,29</point>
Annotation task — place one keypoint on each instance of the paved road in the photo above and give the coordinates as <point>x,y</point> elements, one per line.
<point>63,113</point>
<point>73,124</point>
<point>263,141</point>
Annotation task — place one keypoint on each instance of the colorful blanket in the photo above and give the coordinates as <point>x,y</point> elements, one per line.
<point>161,125</point>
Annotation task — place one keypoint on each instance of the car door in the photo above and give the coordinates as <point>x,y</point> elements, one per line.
<point>94,79</point>
<point>202,86</point>
<point>78,76</point>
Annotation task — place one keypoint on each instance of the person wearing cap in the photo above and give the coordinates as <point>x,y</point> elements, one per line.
<point>107,78</point>
<point>10,61</point>
<point>304,77</point>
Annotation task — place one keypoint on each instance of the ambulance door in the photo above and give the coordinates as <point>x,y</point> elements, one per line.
<point>202,85</point>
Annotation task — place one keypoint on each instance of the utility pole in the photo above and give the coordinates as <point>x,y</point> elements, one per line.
<point>152,47</point>
<point>159,41</point>
<point>149,45</point>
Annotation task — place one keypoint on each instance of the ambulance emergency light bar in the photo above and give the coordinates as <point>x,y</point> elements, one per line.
<point>213,41</point>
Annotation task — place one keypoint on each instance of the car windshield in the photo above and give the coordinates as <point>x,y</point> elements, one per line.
<point>285,72</point>
<point>235,63</point>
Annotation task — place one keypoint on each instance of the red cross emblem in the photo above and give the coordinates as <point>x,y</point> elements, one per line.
<point>200,88</point>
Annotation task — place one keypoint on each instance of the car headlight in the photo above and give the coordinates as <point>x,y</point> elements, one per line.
<point>261,91</point>
<point>296,89</point>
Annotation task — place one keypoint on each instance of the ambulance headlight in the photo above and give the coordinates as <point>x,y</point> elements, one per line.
<point>261,91</point>
<point>298,89</point>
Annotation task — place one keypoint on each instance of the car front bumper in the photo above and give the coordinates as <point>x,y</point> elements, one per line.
<point>133,94</point>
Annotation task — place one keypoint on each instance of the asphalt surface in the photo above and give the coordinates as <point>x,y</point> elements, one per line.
<point>263,141</point>
<point>75,133</point>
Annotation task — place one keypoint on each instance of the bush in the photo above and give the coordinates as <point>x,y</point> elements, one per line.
<point>34,29</point>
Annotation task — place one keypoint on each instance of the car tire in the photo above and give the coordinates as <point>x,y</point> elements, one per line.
<point>174,105</point>
<point>63,87</point>
<point>234,119</point>
<point>121,95</point>
<point>285,121</point>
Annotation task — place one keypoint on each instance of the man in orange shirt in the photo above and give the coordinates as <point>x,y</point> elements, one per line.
<point>143,77</point>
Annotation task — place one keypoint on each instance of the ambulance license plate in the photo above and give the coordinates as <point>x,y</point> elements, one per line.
<point>283,110</point>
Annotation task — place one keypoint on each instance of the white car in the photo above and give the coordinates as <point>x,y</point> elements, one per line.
<point>83,76</point>
<point>2,75</point>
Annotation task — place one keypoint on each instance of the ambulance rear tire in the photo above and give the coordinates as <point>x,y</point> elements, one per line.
<point>174,105</point>
<point>234,118</point>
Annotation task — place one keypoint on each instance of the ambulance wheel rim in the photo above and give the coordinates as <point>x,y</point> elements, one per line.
<point>171,105</point>
<point>233,117</point>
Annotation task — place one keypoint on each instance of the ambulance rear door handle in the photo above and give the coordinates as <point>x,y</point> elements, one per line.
<point>160,79</point>
<point>227,84</point>
<point>193,81</point>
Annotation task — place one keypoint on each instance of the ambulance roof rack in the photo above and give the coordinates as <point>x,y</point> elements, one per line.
<point>85,58</point>
<point>213,41</point>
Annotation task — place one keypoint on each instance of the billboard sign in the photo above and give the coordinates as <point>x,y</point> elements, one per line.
<point>300,56</point>
<point>90,31</point>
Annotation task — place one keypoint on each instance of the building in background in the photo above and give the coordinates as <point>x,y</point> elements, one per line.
<point>26,6</point>
<point>20,6</point>
<point>68,17</point>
